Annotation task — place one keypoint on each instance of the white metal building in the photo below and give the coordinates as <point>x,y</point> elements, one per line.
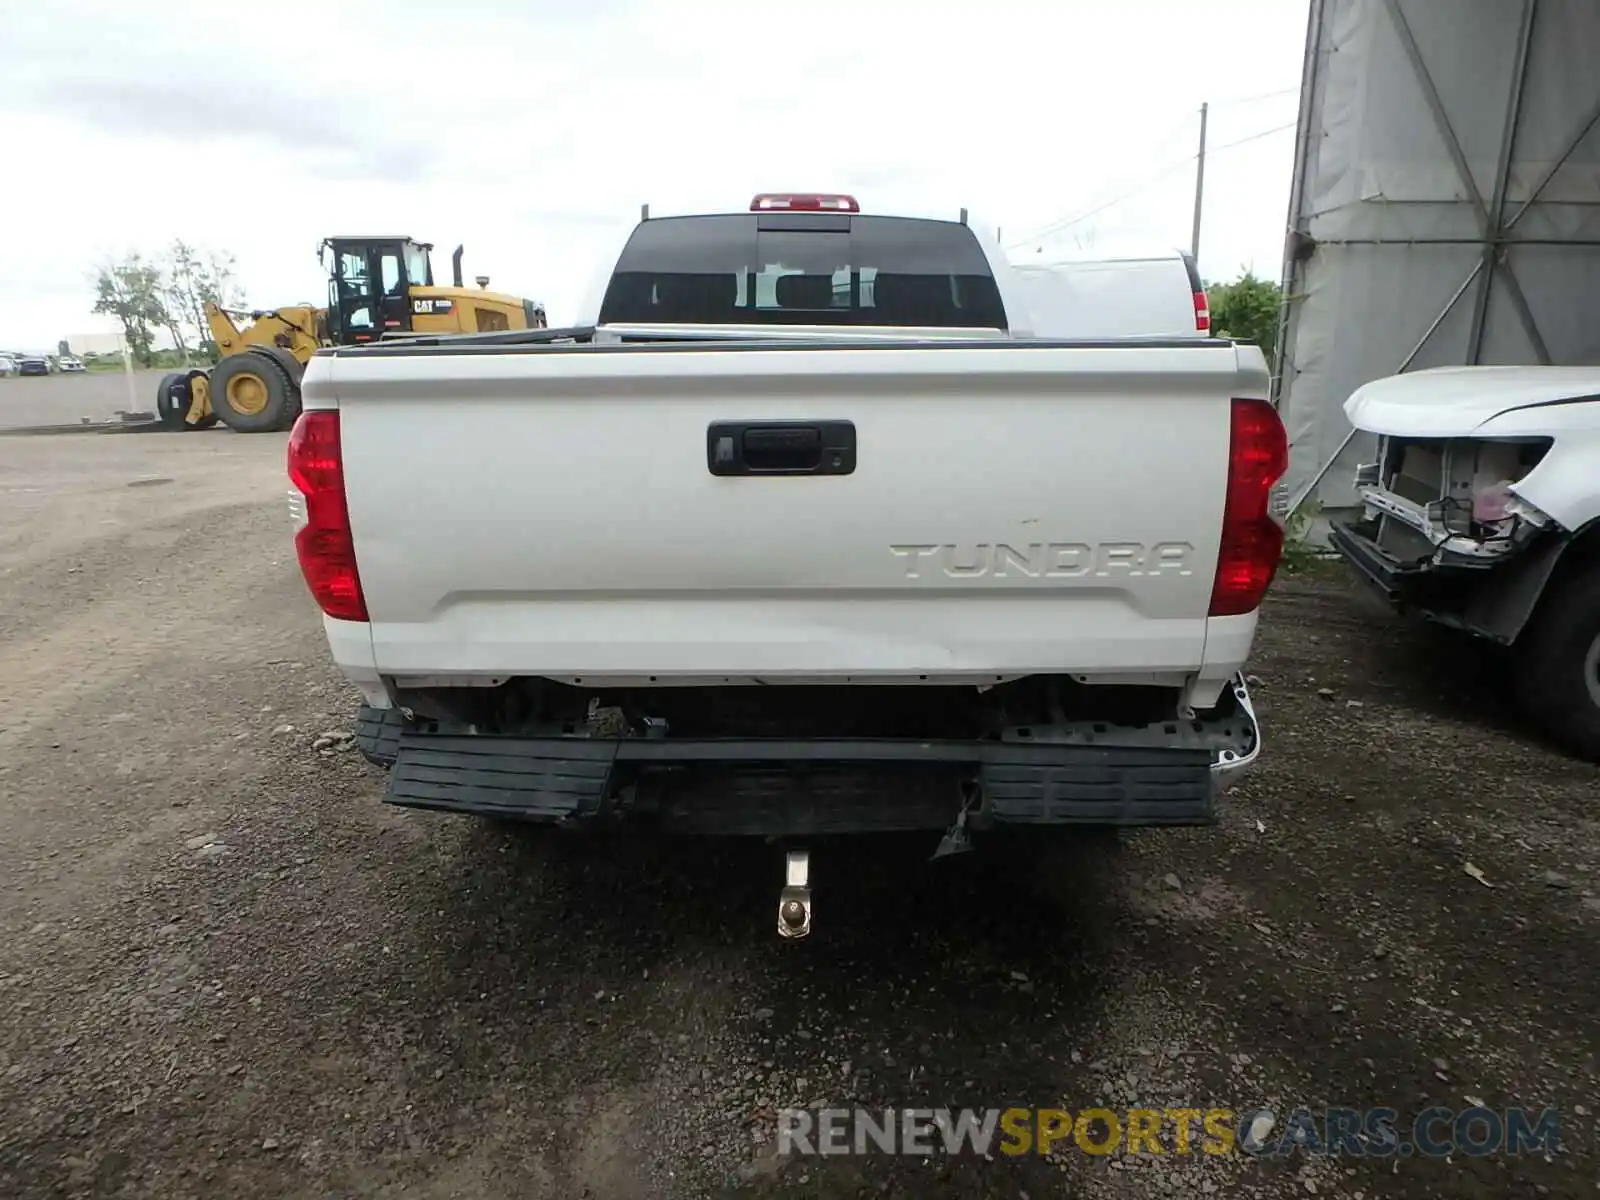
<point>1445,208</point>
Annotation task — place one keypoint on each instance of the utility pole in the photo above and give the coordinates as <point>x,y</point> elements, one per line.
<point>1199,188</point>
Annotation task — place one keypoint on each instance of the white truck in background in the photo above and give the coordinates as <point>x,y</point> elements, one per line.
<point>1157,295</point>
<point>802,535</point>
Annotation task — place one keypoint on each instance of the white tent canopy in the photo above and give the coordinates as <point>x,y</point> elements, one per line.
<point>1445,208</point>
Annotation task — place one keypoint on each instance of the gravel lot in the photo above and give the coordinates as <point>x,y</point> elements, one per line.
<point>227,970</point>
<point>43,400</point>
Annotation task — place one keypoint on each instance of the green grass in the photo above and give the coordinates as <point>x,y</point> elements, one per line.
<point>161,360</point>
<point>1300,556</point>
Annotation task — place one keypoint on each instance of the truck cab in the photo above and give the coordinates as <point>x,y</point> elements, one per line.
<point>795,264</point>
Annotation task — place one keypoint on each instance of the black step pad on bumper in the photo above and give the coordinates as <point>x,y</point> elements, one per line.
<point>572,779</point>
<point>378,733</point>
<point>533,779</point>
<point>1059,785</point>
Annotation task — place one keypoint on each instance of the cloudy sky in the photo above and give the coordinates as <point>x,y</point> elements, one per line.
<point>532,130</point>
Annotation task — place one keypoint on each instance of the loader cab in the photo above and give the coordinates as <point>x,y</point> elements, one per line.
<point>369,285</point>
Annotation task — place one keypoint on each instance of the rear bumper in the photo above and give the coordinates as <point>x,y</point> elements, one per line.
<point>1384,573</point>
<point>1488,599</point>
<point>776,787</point>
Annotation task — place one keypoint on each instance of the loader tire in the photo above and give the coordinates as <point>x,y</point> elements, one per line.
<point>252,393</point>
<point>295,370</point>
<point>292,365</point>
<point>172,400</point>
<point>1558,667</point>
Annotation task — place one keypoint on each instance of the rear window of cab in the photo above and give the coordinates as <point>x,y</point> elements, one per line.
<point>803,269</point>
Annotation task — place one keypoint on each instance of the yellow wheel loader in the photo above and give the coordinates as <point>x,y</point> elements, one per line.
<point>377,287</point>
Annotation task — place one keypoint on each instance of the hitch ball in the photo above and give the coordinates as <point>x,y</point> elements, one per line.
<point>794,902</point>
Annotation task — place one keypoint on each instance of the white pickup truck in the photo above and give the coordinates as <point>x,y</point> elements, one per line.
<point>1117,297</point>
<point>800,536</point>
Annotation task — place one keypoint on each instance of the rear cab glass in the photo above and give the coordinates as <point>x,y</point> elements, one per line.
<point>790,268</point>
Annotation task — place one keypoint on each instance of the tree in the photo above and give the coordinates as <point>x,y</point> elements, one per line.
<point>131,291</point>
<point>1247,310</point>
<point>195,278</point>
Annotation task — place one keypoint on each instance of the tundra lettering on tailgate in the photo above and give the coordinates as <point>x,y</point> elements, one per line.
<point>1043,560</point>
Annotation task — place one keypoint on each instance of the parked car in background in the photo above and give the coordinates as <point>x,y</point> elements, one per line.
<point>1481,511</point>
<point>8,365</point>
<point>69,363</point>
<point>33,364</point>
<point>1155,296</point>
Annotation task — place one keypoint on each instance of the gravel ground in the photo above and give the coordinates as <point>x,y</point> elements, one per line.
<point>43,400</point>
<point>226,969</point>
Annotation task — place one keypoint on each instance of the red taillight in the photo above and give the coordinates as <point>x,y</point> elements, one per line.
<point>1252,542</point>
<point>814,202</point>
<point>326,550</point>
<point>1202,313</point>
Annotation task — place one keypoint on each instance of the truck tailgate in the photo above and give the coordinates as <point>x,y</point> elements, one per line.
<point>1012,508</point>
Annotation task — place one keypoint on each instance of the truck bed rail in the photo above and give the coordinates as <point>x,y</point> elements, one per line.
<point>740,337</point>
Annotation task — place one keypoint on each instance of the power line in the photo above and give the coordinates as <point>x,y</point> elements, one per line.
<point>1258,96</point>
<point>1178,129</point>
<point>1256,136</point>
<point>1171,134</point>
<point>1069,222</point>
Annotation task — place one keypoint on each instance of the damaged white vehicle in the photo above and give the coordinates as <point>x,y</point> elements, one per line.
<point>1482,512</point>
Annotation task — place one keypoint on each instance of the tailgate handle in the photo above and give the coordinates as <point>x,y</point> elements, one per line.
<point>795,448</point>
<point>781,448</point>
